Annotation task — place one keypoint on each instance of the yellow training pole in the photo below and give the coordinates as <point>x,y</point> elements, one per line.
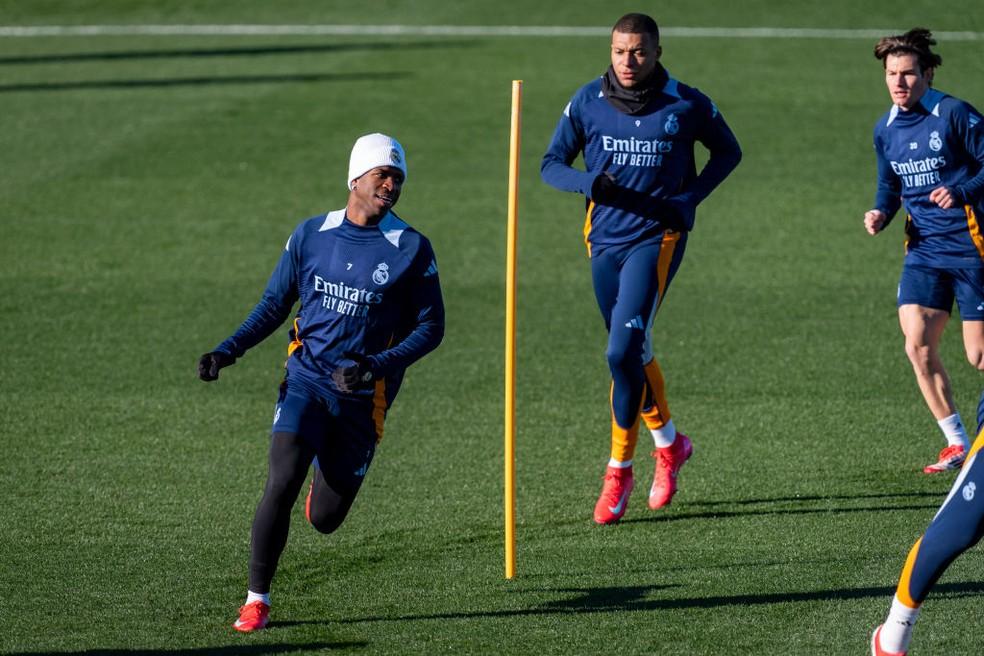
<point>511,220</point>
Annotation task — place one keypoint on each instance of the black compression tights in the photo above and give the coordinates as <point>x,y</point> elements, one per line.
<point>290,458</point>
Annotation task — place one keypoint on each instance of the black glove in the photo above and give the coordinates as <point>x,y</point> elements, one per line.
<point>356,376</point>
<point>670,217</point>
<point>675,214</point>
<point>210,363</point>
<point>604,189</point>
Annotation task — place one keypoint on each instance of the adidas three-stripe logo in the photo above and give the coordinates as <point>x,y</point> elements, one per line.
<point>431,270</point>
<point>635,323</point>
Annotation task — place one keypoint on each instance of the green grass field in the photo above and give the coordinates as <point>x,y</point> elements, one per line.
<point>147,184</point>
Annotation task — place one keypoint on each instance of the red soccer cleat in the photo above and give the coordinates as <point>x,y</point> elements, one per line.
<point>614,495</point>
<point>669,460</point>
<point>252,617</point>
<point>952,457</point>
<point>307,502</point>
<point>876,649</point>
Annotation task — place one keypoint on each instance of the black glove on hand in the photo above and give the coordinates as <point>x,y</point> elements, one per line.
<point>671,218</point>
<point>356,376</point>
<point>604,189</point>
<point>673,215</point>
<point>210,363</point>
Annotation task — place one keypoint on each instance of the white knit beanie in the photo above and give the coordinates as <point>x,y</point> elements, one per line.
<point>374,150</point>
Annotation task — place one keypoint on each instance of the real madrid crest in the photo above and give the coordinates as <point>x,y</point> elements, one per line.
<point>381,274</point>
<point>935,143</point>
<point>672,126</point>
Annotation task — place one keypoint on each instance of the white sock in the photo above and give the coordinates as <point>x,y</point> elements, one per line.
<point>954,431</point>
<point>665,435</point>
<point>256,596</point>
<point>619,464</point>
<point>897,630</point>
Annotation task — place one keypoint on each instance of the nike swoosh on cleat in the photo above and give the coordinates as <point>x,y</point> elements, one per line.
<point>616,509</point>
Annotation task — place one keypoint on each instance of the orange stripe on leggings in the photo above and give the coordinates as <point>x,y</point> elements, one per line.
<point>666,248</point>
<point>902,592</point>
<point>624,440</point>
<point>657,415</point>
<point>379,408</point>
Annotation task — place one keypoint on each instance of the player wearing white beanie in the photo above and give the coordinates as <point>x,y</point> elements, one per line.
<point>369,306</point>
<point>374,150</point>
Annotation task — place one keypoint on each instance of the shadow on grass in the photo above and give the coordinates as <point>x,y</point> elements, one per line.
<point>230,650</point>
<point>681,510</point>
<point>832,507</point>
<point>821,497</point>
<point>201,81</point>
<point>724,514</point>
<point>633,599</point>
<point>245,51</point>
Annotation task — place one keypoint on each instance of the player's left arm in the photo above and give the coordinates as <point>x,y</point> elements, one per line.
<point>969,126</point>
<point>425,316</point>
<point>725,154</point>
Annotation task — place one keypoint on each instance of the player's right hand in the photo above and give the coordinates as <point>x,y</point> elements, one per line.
<point>943,197</point>
<point>874,221</point>
<point>210,363</point>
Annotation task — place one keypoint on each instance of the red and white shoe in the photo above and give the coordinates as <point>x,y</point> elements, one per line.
<point>952,457</point>
<point>252,617</point>
<point>614,495</point>
<point>669,460</point>
<point>876,649</point>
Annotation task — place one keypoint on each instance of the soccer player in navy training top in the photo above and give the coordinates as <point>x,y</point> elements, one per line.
<point>930,149</point>
<point>370,306</point>
<point>636,127</point>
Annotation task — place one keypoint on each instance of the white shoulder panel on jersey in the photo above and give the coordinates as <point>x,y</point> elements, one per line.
<point>931,101</point>
<point>392,228</point>
<point>892,114</point>
<point>332,220</point>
